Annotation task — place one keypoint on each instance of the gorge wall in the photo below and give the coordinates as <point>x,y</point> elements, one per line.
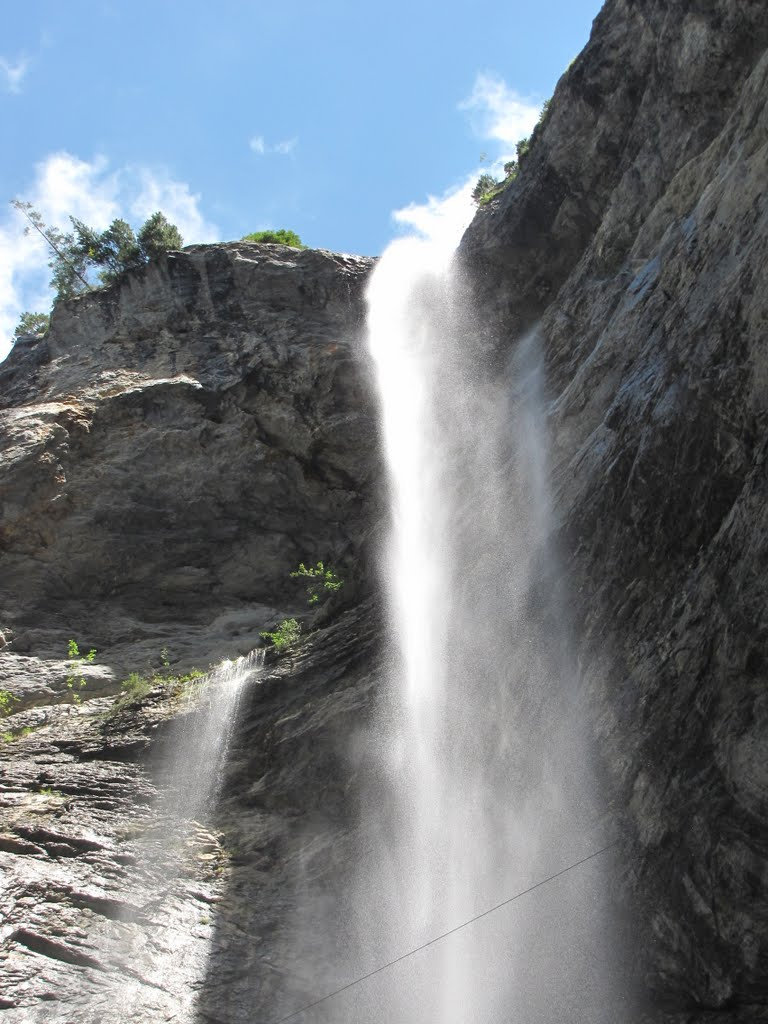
<point>643,208</point>
<point>179,442</point>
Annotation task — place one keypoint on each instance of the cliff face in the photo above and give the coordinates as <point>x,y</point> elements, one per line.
<point>175,447</point>
<point>635,239</point>
<point>170,453</point>
<point>182,440</point>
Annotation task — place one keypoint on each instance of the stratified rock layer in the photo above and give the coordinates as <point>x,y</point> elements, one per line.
<point>637,236</point>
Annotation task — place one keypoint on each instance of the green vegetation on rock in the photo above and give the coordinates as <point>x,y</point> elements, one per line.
<point>32,323</point>
<point>84,251</point>
<point>280,236</point>
<point>321,578</point>
<point>75,679</point>
<point>7,700</point>
<point>284,635</point>
<point>137,686</point>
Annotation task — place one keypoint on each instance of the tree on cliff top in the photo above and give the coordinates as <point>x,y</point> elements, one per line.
<point>77,254</point>
<point>280,236</point>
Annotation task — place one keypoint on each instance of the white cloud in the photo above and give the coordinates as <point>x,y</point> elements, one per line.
<point>441,219</point>
<point>173,198</point>
<point>64,185</point>
<point>498,112</point>
<point>258,145</point>
<point>13,72</point>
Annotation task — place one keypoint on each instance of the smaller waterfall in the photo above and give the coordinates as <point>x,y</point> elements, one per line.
<point>178,853</point>
<point>202,734</point>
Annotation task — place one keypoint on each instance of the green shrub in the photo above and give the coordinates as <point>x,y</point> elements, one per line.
<point>137,686</point>
<point>75,679</point>
<point>280,236</point>
<point>16,734</point>
<point>484,185</point>
<point>7,700</point>
<point>284,635</point>
<point>32,323</point>
<point>321,577</point>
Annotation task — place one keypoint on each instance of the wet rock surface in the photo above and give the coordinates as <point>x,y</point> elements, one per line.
<point>98,885</point>
<point>116,906</point>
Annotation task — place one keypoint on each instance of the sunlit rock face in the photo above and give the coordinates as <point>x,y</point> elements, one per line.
<point>173,449</point>
<point>635,236</point>
<point>176,446</point>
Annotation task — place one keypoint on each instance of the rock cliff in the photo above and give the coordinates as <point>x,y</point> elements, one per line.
<point>635,239</point>
<point>177,445</point>
<point>182,440</point>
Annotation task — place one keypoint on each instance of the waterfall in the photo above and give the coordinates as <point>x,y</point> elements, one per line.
<point>176,854</point>
<point>484,786</point>
<point>196,753</point>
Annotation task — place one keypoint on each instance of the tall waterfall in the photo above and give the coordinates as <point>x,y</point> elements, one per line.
<point>484,782</point>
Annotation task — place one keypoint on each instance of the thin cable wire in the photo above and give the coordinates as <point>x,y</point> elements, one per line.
<point>439,938</point>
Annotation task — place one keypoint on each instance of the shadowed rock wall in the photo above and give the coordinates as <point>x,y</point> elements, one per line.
<point>636,236</point>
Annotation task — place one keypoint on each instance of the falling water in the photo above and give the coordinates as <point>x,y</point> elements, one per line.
<point>162,965</point>
<point>483,775</point>
<point>198,746</point>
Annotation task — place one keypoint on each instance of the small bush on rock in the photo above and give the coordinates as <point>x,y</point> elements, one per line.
<point>485,184</point>
<point>284,635</point>
<point>75,679</point>
<point>281,236</point>
<point>7,700</point>
<point>321,578</point>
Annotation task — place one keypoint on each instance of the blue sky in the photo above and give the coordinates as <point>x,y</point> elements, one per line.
<point>325,117</point>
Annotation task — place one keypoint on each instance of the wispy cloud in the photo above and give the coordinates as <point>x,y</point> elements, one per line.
<point>499,113</point>
<point>440,219</point>
<point>257,144</point>
<point>92,191</point>
<point>158,191</point>
<point>12,72</point>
